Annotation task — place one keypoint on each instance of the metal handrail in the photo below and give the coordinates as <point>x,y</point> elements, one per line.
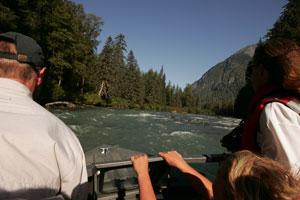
<point>99,169</point>
<point>204,158</point>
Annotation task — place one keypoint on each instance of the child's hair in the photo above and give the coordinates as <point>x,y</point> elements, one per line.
<point>248,176</point>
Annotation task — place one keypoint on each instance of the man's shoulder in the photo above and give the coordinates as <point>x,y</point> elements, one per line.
<point>49,117</point>
<point>58,130</point>
<point>40,110</point>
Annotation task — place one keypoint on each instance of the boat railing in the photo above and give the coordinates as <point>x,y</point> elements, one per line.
<point>98,171</point>
<point>204,158</point>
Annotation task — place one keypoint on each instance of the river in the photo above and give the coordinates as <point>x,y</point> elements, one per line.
<point>147,131</point>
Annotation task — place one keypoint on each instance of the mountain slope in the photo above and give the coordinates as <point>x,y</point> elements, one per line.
<point>219,86</point>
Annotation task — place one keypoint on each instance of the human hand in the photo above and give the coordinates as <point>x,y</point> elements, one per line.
<point>140,163</point>
<point>173,158</point>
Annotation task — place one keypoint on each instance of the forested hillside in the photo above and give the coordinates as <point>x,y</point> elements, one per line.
<point>225,89</point>
<point>77,73</point>
<point>287,26</point>
<point>217,88</point>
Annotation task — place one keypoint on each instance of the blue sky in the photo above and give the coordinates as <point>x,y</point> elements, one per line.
<point>186,37</point>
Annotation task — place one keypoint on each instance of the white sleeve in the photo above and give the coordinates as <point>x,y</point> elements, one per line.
<point>71,162</point>
<point>279,134</point>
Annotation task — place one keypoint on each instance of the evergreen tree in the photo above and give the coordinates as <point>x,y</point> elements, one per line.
<point>60,39</point>
<point>169,94</point>
<point>8,18</point>
<point>140,87</point>
<point>68,37</point>
<point>197,103</point>
<point>133,90</point>
<point>86,28</point>
<point>152,88</point>
<point>103,69</point>
<point>188,98</point>
<point>288,24</point>
<point>178,96</point>
<point>119,67</point>
<point>173,96</point>
<point>21,16</point>
<point>162,78</point>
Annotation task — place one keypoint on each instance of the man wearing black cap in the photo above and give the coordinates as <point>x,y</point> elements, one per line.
<point>40,156</point>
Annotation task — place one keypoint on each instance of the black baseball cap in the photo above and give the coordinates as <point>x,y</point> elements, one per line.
<point>28,49</point>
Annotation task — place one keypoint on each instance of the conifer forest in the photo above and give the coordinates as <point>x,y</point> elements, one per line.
<point>80,73</point>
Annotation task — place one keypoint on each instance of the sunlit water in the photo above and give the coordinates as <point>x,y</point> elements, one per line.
<point>148,132</point>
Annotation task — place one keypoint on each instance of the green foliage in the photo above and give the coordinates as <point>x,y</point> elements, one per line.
<point>147,107</point>
<point>66,34</point>
<point>133,105</point>
<point>7,18</point>
<point>58,93</point>
<point>133,83</point>
<point>92,99</point>
<point>152,87</point>
<point>117,82</point>
<point>119,103</point>
<point>218,88</point>
<point>76,73</point>
<point>102,70</point>
<point>288,24</point>
<point>188,99</point>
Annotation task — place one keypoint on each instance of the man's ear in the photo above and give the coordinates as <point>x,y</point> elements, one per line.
<point>40,74</point>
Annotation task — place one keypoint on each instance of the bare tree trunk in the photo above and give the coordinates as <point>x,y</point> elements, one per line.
<point>59,82</point>
<point>82,85</point>
<point>101,88</point>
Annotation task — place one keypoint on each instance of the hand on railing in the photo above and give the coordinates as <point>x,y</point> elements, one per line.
<point>140,163</point>
<point>173,158</point>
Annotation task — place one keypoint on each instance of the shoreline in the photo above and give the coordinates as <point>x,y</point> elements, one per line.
<point>71,105</point>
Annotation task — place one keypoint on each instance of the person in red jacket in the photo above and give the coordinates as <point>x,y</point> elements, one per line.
<point>272,125</point>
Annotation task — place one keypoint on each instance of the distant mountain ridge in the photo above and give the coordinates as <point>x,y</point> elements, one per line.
<point>218,87</point>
